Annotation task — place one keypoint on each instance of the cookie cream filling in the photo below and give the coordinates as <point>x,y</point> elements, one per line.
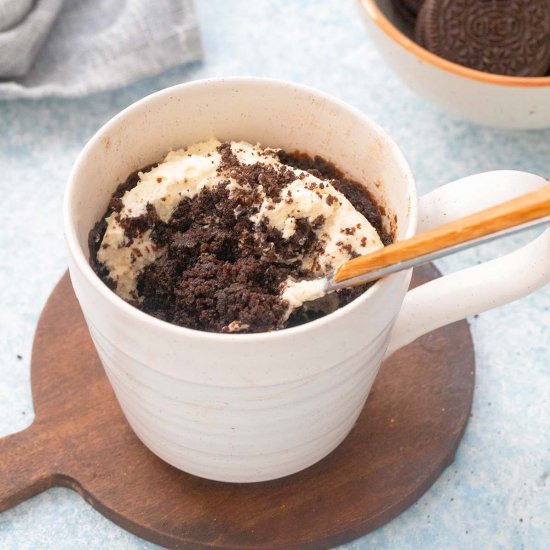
<point>341,231</point>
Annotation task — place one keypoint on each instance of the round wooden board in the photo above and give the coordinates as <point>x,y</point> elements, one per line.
<point>407,434</point>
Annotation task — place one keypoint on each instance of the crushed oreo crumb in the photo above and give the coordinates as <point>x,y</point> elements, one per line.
<point>220,272</point>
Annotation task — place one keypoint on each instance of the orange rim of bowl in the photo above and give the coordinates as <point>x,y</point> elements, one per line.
<point>375,13</point>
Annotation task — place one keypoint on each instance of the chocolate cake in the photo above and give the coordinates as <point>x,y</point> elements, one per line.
<point>220,271</point>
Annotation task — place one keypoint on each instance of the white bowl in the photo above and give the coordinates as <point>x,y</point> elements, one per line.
<point>489,99</point>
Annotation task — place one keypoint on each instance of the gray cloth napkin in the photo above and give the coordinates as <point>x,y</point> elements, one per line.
<point>76,47</point>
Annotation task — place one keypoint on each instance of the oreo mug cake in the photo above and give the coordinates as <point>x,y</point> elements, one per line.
<point>252,407</point>
<point>220,236</point>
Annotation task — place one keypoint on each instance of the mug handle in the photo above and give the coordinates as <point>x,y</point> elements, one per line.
<point>482,287</point>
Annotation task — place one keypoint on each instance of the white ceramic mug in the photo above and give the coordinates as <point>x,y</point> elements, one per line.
<point>253,407</point>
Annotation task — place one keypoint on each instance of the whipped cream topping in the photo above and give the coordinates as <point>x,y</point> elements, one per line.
<point>342,232</point>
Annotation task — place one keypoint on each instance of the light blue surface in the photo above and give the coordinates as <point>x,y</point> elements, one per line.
<point>497,493</point>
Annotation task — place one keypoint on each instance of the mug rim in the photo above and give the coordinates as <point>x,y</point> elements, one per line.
<point>372,9</point>
<point>82,263</point>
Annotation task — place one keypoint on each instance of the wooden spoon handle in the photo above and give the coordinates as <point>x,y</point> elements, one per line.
<point>519,211</point>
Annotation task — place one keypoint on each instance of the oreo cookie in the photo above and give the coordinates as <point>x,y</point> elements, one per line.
<point>419,29</point>
<point>507,37</point>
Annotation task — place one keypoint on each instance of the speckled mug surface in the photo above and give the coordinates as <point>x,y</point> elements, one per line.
<point>253,407</point>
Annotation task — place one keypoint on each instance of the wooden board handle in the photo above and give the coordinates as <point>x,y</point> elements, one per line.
<point>23,471</point>
<point>512,213</point>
